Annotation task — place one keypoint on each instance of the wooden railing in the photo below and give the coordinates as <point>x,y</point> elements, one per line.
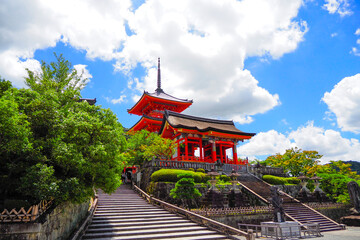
<point>233,211</point>
<point>227,168</point>
<point>220,227</point>
<point>25,216</point>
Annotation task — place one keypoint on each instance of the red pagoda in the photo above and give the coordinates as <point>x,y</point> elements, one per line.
<point>198,139</point>
<point>151,107</point>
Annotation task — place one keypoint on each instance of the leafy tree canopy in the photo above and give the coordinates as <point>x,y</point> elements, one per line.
<point>335,175</point>
<point>144,145</point>
<point>52,145</point>
<point>295,161</point>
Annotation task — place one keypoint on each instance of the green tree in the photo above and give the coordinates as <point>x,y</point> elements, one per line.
<point>185,189</point>
<point>295,161</point>
<point>15,145</point>
<point>144,145</point>
<point>4,86</point>
<point>65,148</point>
<point>335,177</point>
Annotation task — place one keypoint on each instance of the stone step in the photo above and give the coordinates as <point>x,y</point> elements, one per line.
<point>136,223</point>
<point>330,229</point>
<point>144,232</point>
<point>121,207</point>
<point>115,210</point>
<point>117,220</point>
<point>131,216</point>
<point>143,227</point>
<point>125,213</point>
<point>206,237</point>
<point>162,235</point>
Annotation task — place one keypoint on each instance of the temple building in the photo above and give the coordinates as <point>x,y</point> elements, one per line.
<point>198,139</point>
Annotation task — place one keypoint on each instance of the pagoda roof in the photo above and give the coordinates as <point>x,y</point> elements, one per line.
<point>90,101</point>
<point>159,96</point>
<point>205,126</point>
<point>146,122</point>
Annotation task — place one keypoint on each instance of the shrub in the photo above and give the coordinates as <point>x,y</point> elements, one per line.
<point>274,180</point>
<point>171,175</point>
<point>224,178</point>
<point>191,169</point>
<point>200,170</point>
<point>185,189</point>
<point>293,180</point>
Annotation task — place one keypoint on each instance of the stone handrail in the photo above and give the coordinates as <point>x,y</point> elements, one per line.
<point>195,165</point>
<point>22,215</point>
<point>79,232</point>
<point>225,229</point>
<point>257,195</point>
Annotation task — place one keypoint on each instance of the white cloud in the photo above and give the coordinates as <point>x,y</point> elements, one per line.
<point>328,143</point>
<point>334,34</point>
<point>355,50</point>
<point>342,7</point>
<point>94,26</point>
<point>83,73</point>
<point>203,46</point>
<point>265,143</point>
<point>344,102</point>
<point>119,100</point>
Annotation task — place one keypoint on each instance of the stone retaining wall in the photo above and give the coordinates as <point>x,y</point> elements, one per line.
<point>57,224</point>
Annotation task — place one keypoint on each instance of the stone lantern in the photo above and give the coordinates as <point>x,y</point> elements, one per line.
<point>303,182</point>
<point>213,180</point>
<point>233,176</point>
<point>316,183</point>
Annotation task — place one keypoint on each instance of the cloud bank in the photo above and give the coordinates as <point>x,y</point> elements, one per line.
<point>202,44</point>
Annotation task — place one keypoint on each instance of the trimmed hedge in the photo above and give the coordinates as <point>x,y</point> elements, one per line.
<point>171,175</point>
<point>274,180</point>
<point>200,170</point>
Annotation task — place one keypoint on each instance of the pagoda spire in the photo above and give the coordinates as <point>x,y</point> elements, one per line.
<point>158,89</point>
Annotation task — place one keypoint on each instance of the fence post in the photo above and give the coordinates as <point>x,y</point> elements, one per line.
<point>34,212</point>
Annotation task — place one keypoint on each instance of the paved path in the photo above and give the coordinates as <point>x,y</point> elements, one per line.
<point>351,233</point>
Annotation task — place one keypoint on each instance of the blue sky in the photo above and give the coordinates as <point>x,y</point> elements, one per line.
<point>288,70</point>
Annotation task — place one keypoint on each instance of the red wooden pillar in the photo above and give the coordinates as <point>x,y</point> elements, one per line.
<point>201,150</point>
<point>178,151</point>
<point>235,154</point>
<point>186,149</point>
<point>213,152</point>
<point>221,152</point>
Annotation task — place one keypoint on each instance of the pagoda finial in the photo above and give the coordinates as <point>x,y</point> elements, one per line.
<point>159,78</point>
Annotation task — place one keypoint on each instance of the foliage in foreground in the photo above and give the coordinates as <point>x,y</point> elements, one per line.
<point>144,145</point>
<point>51,145</point>
<point>171,175</point>
<point>335,175</point>
<point>185,189</point>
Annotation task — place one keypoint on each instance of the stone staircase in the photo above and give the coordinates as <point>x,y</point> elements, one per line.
<point>294,210</point>
<point>125,215</point>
